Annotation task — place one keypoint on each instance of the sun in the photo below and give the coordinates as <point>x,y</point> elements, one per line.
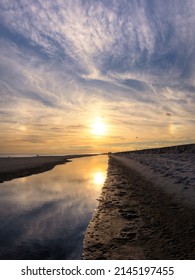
<point>99,127</point>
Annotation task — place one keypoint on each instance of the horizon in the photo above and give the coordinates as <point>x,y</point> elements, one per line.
<point>96,76</point>
<point>86,154</point>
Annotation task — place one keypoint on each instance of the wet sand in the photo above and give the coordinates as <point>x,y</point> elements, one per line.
<point>137,220</point>
<point>16,167</point>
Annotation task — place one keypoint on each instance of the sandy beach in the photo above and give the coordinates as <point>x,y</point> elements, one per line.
<point>147,208</point>
<point>15,167</point>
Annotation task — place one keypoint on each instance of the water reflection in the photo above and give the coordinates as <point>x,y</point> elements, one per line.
<point>45,216</point>
<point>99,178</point>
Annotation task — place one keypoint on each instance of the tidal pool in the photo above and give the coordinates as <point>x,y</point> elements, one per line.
<point>45,216</point>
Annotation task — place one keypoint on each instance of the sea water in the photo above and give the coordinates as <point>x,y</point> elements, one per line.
<point>45,216</point>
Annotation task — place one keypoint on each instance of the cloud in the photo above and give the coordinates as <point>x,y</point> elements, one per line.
<point>61,61</point>
<point>99,37</point>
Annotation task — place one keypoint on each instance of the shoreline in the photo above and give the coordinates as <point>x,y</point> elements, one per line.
<point>146,209</point>
<point>17,167</point>
<point>138,219</point>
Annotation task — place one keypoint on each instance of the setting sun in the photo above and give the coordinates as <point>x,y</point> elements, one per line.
<point>99,127</point>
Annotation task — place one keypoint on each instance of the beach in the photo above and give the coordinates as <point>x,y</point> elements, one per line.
<point>16,167</point>
<point>146,209</point>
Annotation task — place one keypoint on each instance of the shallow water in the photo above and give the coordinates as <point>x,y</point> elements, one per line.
<point>45,216</point>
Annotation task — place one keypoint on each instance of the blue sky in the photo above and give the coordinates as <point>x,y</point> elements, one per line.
<point>65,63</point>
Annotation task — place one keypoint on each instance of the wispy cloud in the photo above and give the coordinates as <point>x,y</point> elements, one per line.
<point>129,61</point>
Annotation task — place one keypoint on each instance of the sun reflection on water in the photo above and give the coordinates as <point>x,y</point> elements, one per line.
<point>56,205</point>
<point>99,178</point>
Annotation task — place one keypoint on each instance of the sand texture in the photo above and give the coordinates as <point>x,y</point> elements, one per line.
<point>172,169</point>
<point>138,219</point>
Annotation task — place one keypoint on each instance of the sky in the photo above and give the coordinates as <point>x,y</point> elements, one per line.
<point>85,76</point>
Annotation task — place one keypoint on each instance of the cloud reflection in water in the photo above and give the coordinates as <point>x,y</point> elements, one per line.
<point>45,216</point>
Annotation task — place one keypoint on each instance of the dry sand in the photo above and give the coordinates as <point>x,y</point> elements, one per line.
<point>139,215</point>
<point>172,173</point>
<point>15,167</point>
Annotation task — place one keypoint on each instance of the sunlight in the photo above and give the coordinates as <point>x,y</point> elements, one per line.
<point>22,128</point>
<point>99,127</point>
<point>99,178</point>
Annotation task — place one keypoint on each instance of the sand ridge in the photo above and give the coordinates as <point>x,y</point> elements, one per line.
<point>172,173</point>
<point>137,220</point>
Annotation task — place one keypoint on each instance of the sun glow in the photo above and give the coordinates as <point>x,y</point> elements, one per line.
<point>99,127</point>
<point>99,178</point>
